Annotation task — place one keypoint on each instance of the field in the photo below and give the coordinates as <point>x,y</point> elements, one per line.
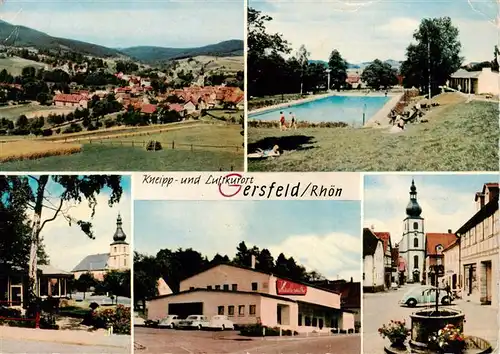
<point>15,65</point>
<point>458,137</point>
<point>31,110</point>
<point>32,149</point>
<point>195,149</point>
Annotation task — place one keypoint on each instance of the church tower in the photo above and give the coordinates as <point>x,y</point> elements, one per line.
<point>119,254</point>
<point>412,245</point>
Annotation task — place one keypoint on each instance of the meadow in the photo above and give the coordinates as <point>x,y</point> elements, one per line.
<point>198,148</point>
<point>15,65</point>
<point>457,137</point>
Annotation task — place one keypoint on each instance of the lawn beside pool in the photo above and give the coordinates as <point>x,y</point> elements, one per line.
<point>458,137</point>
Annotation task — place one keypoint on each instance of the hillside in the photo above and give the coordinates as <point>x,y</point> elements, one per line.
<point>153,54</point>
<point>20,36</point>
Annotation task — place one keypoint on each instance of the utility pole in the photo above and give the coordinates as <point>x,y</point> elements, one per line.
<point>328,73</point>
<point>429,65</point>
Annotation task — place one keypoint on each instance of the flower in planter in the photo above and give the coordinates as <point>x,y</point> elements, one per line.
<point>449,339</point>
<point>395,331</point>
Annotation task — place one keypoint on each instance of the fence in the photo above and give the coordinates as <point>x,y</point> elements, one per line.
<point>165,144</point>
<point>9,318</point>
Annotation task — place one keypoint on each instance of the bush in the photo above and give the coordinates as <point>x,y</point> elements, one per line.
<point>9,313</point>
<point>108,123</point>
<point>47,132</point>
<point>58,130</point>
<point>73,128</point>
<point>257,330</point>
<point>118,318</point>
<point>153,145</point>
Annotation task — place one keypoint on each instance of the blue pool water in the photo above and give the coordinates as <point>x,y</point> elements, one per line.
<point>348,109</point>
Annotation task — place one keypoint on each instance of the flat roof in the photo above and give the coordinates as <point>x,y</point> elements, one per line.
<point>224,291</point>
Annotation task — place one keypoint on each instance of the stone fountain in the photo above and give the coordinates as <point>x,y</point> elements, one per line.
<point>426,322</point>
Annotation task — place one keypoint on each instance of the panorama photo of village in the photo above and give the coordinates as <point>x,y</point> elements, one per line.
<point>93,93</point>
<point>431,261</point>
<point>65,260</point>
<point>373,85</point>
<point>243,291</point>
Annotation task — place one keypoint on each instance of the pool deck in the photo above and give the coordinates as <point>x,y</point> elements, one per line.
<point>317,97</point>
<point>379,120</point>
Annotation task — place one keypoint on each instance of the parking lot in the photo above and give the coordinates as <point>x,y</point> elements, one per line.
<point>167,341</point>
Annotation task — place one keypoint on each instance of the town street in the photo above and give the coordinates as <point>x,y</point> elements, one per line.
<point>165,341</point>
<point>15,346</point>
<point>380,308</point>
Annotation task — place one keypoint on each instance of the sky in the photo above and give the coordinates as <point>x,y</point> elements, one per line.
<point>126,23</point>
<point>67,245</point>
<point>364,30</point>
<point>447,201</point>
<point>321,235</point>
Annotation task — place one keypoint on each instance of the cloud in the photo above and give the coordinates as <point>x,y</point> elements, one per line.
<point>402,27</point>
<point>333,255</point>
<point>183,26</point>
<point>67,245</point>
<point>443,207</point>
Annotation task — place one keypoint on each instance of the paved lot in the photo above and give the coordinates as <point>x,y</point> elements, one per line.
<point>165,341</point>
<point>15,346</point>
<point>380,308</point>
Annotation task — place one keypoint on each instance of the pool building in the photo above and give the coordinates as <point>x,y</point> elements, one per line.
<point>249,296</point>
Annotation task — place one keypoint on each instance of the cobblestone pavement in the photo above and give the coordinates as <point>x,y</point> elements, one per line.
<point>380,308</point>
<point>165,341</point>
<point>16,346</point>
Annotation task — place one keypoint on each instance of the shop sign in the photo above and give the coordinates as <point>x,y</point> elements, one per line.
<point>286,287</point>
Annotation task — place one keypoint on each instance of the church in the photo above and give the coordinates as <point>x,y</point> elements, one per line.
<point>421,252</point>
<point>118,257</point>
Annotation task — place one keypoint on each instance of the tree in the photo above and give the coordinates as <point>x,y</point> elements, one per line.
<point>117,284</point>
<point>85,282</point>
<point>494,62</point>
<point>435,55</point>
<point>22,122</point>
<point>243,255</point>
<point>338,67</point>
<point>28,72</point>
<point>379,74</point>
<point>265,261</point>
<point>42,98</point>
<point>74,190</point>
<point>146,275</point>
<point>303,60</point>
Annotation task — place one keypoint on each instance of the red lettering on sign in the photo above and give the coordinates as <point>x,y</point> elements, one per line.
<point>286,287</point>
<point>235,188</point>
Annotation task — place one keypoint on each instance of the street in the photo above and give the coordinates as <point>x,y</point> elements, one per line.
<point>165,341</point>
<point>16,346</point>
<point>380,308</point>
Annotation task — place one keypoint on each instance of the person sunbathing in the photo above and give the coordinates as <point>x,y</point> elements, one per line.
<point>259,153</point>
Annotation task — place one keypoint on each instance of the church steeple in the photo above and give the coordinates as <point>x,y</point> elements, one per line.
<point>119,236</point>
<point>413,209</point>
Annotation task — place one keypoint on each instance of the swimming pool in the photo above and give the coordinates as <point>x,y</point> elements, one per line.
<point>348,109</point>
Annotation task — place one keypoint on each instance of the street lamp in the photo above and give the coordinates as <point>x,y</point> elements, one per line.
<point>328,71</point>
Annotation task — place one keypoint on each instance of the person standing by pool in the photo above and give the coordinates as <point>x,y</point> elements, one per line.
<point>282,121</point>
<point>293,121</point>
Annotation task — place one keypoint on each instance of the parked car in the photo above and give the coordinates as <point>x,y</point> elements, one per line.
<point>195,321</point>
<point>171,321</point>
<point>138,320</point>
<point>424,295</point>
<point>221,322</point>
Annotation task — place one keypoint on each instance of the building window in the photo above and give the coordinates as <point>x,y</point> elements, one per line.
<point>254,286</point>
<point>415,262</point>
<point>209,287</point>
<point>300,320</point>
<point>220,310</point>
<point>241,310</point>
<point>315,322</point>
<point>252,310</point>
<point>230,310</point>
<point>415,242</point>
<point>234,287</point>
<point>226,287</point>
<point>115,249</point>
<point>307,321</point>
<point>217,287</point>
<point>363,275</point>
<point>415,225</point>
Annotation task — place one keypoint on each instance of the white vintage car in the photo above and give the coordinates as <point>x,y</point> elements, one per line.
<point>171,321</point>
<point>221,322</point>
<point>138,320</point>
<point>195,321</point>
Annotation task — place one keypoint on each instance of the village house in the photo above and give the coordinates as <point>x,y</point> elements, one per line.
<point>373,262</point>
<point>451,255</point>
<point>434,262</point>
<point>485,81</point>
<point>70,100</point>
<point>479,246</point>
<point>118,257</point>
<point>388,266</point>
